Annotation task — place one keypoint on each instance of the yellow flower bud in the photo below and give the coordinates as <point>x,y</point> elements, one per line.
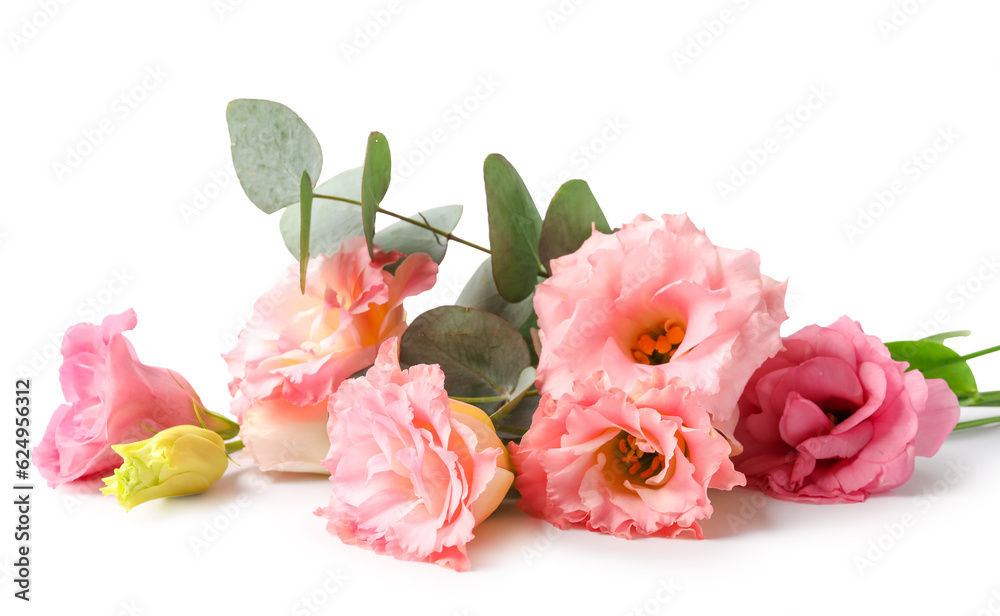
<point>177,461</point>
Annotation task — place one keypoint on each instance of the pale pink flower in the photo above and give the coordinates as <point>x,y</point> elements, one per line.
<point>832,418</point>
<point>281,436</point>
<point>412,471</point>
<point>658,297</point>
<point>112,398</point>
<point>300,347</point>
<point>625,464</point>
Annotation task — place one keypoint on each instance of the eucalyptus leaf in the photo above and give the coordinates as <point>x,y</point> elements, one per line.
<point>481,354</point>
<point>936,361</point>
<point>519,419</point>
<point>408,238</point>
<point>525,382</point>
<point>515,228</point>
<point>271,146</point>
<point>374,183</point>
<point>481,292</point>
<point>305,215</point>
<point>572,215</point>
<point>332,221</point>
<point>529,331</point>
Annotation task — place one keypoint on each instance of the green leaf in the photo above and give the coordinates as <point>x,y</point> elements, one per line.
<point>332,221</point>
<point>220,424</point>
<point>936,361</point>
<point>408,239</point>
<point>569,220</point>
<point>481,293</point>
<point>529,331</point>
<point>519,419</point>
<point>481,354</point>
<point>374,183</point>
<point>525,382</point>
<point>946,335</point>
<point>515,228</point>
<point>271,146</point>
<point>305,209</point>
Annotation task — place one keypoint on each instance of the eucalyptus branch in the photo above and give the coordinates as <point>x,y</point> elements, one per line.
<point>416,223</point>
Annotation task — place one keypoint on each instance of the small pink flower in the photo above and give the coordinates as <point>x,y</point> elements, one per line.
<point>623,464</point>
<point>658,297</point>
<point>112,398</point>
<point>832,418</point>
<point>305,345</point>
<point>412,471</point>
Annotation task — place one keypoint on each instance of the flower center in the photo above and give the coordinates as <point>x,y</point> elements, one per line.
<point>837,416</point>
<point>636,462</point>
<point>658,345</point>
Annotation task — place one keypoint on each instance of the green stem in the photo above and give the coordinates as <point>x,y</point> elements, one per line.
<point>234,446</point>
<point>413,222</point>
<point>963,359</point>
<point>979,353</point>
<point>476,400</point>
<point>980,398</point>
<point>975,423</point>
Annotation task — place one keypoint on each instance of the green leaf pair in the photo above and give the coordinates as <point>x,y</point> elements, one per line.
<point>278,158</point>
<point>936,361</point>
<point>522,245</point>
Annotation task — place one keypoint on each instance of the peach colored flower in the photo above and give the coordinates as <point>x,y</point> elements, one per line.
<point>832,418</point>
<point>658,297</point>
<point>305,345</point>
<point>112,398</point>
<point>627,465</point>
<point>412,471</point>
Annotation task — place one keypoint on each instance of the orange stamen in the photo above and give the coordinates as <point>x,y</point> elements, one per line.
<point>662,345</point>
<point>675,335</point>
<point>646,344</point>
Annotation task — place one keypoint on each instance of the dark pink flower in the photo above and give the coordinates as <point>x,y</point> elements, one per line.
<point>832,418</point>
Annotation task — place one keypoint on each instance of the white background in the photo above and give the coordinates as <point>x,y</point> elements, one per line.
<point>692,96</point>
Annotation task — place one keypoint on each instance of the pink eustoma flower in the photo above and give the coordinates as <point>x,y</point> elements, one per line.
<point>412,471</point>
<point>625,464</point>
<point>301,347</point>
<point>658,297</point>
<point>832,418</point>
<point>112,398</point>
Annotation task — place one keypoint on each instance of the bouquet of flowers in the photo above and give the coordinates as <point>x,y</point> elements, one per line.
<point>607,378</point>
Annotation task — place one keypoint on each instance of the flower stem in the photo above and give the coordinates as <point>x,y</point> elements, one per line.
<point>979,353</point>
<point>413,222</point>
<point>980,398</point>
<point>476,400</point>
<point>975,423</point>
<point>234,446</point>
